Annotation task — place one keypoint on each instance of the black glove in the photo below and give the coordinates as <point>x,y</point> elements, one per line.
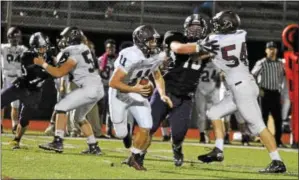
<point>208,46</point>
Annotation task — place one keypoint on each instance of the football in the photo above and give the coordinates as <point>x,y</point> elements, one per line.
<point>144,81</point>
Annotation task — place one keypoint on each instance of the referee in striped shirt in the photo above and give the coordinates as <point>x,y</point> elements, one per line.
<point>270,72</point>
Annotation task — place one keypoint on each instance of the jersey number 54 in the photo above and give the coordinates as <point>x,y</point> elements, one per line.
<point>234,59</point>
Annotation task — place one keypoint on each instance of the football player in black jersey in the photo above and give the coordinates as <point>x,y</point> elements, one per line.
<point>27,88</point>
<point>181,79</point>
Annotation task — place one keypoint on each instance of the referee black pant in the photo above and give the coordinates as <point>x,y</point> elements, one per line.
<point>271,103</point>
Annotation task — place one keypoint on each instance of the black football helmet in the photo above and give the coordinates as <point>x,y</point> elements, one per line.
<point>14,36</point>
<point>38,41</point>
<point>70,36</point>
<point>195,27</point>
<point>225,22</point>
<point>145,38</point>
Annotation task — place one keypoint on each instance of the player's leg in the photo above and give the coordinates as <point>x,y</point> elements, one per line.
<point>242,126</point>
<point>94,120</point>
<point>142,114</point>
<point>224,107</point>
<point>245,95</point>
<point>179,119</point>
<point>14,115</point>
<point>165,130</point>
<point>86,129</point>
<point>159,111</point>
<point>30,101</point>
<point>277,116</point>
<point>201,106</point>
<point>74,100</point>
<point>265,107</point>
<point>286,105</point>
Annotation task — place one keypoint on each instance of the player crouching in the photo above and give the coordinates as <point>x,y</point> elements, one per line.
<point>129,91</point>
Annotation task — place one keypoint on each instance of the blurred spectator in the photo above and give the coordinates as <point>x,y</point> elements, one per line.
<point>204,8</point>
<point>271,71</point>
<point>106,66</point>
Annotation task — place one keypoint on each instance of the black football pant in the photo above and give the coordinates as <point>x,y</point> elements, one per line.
<point>271,103</point>
<point>179,116</point>
<point>29,100</point>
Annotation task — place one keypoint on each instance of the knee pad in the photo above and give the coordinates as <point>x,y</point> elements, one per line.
<point>142,139</point>
<point>82,122</point>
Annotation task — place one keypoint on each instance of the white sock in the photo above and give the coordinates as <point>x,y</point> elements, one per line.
<point>219,144</point>
<point>135,150</point>
<point>60,133</point>
<point>275,155</point>
<point>164,131</point>
<point>91,139</point>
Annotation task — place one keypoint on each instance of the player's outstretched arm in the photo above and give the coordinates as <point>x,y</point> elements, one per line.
<point>116,82</point>
<point>160,84</point>
<point>204,46</point>
<point>60,71</point>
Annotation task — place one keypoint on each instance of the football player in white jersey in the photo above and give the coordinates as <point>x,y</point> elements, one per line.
<point>75,59</point>
<point>130,88</point>
<point>232,60</point>
<point>11,67</point>
<point>207,94</point>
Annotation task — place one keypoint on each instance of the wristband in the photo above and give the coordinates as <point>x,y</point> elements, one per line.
<point>197,48</point>
<point>45,65</point>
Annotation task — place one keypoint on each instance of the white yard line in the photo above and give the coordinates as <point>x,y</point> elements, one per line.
<point>33,137</point>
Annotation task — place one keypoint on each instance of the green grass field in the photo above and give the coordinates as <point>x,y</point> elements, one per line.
<point>30,162</point>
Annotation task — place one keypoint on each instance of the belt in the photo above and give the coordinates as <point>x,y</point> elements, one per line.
<point>12,75</point>
<point>238,83</point>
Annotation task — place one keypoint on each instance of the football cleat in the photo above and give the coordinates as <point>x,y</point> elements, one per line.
<point>135,161</point>
<point>275,166</point>
<point>56,145</point>
<point>215,155</point>
<point>15,144</point>
<point>178,156</point>
<point>93,149</point>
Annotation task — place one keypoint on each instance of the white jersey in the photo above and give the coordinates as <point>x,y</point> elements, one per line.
<point>84,73</point>
<point>137,66</point>
<point>10,61</point>
<point>232,56</point>
<point>208,78</point>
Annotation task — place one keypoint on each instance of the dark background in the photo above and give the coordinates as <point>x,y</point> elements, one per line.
<point>256,51</point>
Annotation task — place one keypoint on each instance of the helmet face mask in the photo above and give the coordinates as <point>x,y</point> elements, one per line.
<point>195,27</point>
<point>71,36</point>
<point>225,22</point>
<point>14,36</point>
<point>145,38</point>
<point>38,43</point>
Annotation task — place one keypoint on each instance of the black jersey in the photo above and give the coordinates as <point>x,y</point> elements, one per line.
<point>33,76</point>
<point>182,75</point>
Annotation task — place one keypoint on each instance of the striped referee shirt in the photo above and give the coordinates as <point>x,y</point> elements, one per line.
<point>271,73</point>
